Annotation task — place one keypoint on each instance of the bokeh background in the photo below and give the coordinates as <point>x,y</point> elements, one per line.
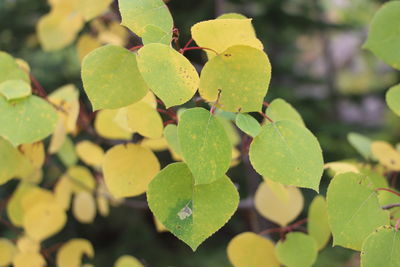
<point>319,66</point>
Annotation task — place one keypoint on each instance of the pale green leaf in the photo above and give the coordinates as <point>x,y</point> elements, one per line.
<point>248,124</point>
<point>27,120</point>
<point>232,16</point>
<point>191,212</point>
<point>353,210</point>
<point>318,225</point>
<point>168,73</point>
<point>10,159</point>
<point>381,247</point>
<point>393,99</point>
<point>204,145</point>
<point>241,75</point>
<point>297,250</point>
<point>67,153</point>
<point>136,15</point>
<point>278,153</point>
<point>361,143</point>
<point>171,135</point>
<point>111,77</point>
<point>383,37</point>
<point>14,89</point>
<point>279,110</point>
<point>10,69</point>
<point>154,34</point>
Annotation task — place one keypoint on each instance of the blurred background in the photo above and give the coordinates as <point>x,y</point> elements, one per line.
<point>319,66</point>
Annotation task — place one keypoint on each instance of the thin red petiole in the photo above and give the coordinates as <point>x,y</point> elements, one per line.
<point>135,47</point>
<point>183,50</point>
<point>214,107</point>
<point>388,190</point>
<point>265,104</point>
<point>188,43</point>
<point>266,116</point>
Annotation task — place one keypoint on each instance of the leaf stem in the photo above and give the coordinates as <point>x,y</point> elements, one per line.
<point>388,190</point>
<point>183,50</point>
<point>285,229</point>
<point>266,116</point>
<point>214,107</point>
<point>135,47</point>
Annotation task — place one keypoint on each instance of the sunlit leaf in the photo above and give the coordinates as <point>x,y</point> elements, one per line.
<point>7,252</point>
<point>81,179</point>
<point>318,225</point>
<point>84,207</point>
<point>10,69</point>
<point>90,153</point>
<point>248,124</point>
<point>93,8</point>
<point>228,75</point>
<point>15,89</point>
<point>168,73</point>
<point>86,44</point>
<point>184,208</point>
<point>279,110</point>
<point>106,126</point>
<point>31,259</point>
<point>297,250</point>
<point>204,145</point>
<point>27,244</point>
<point>171,135</point>
<point>154,34</point>
<point>341,167</point>
<point>34,152</point>
<point>386,155</point>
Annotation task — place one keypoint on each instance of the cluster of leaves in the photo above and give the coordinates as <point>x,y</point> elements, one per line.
<point>139,91</point>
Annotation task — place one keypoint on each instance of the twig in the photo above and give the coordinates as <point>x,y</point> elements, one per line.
<point>266,116</point>
<point>284,229</point>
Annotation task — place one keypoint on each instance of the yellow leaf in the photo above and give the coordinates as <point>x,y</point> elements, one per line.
<point>93,8</point>
<point>274,208</point>
<point>81,179</point>
<point>58,138</point>
<point>278,189</point>
<point>386,155</point>
<point>7,252</point>
<point>219,34</point>
<point>84,207</point>
<point>44,220</point>
<point>71,253</point>
<point>86,43</point>
<point>113,33</point>
<point>59,28</point>
<point>128,169</point>
<point>34,152</point>
<point>159,226</point>
<point>106,126</point>
<point>102,200</point>
<point>31,259</point>
<point>34,196</point>
<point>341,167</point>
<point>128,261</point>
<point>157,145</point>
<point>63,192</point>
<point>26,244</point>
<point>251,250</point>
<point>15,211</point>
<point>90,153</point>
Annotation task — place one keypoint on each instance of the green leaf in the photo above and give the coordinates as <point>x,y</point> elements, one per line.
<point>248,124</point>
<point>289,154</point>
<point>353,210</point>
<point>154,34</point>
<point>318,225</point>
<point>168,73</point>
<point>27,120</point>
<point>171,135</point>
<point>383,37</point>
<point>138,14</point>
<point>381,247</point>
<point>232,16</point>
<point>10,69</point>
<point>204,145</point>
<point>279,110</point>
<point>298,250</point>
<point>67,153</point>
<point>191,212</point>
<point>111,77</point>
<point>242,74</point>
<point>393,99</point>
<point>10,159</point>
<point>361,143</point>
<point>14,89</point>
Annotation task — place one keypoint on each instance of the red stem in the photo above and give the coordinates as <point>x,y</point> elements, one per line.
<point>135,47</point>
<point>183,50</point>
<point>39,88</point>
<point>284,229</point>
<point>265,104</point>
<point>214,107</point>
<point>265,116</point>
<point>187,44</point>
<point>388,190</point>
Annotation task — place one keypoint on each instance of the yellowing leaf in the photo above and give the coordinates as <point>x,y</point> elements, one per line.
<point>90,153</point>
<point>228,75</point>
<point>168,73</point>
<point>386,154</point>
<point>63,192</point>
<point>92,8</point>
<point>101,200</point>
<point>7,252</point>
<point>159,226</point>
<point>318,225</point>
<point>44,220</point>
<point>393,99</point>
<point>84,207</point>
<point>86,44</point>
<point>128,261</point>
<point>361,143</point>
<point>113,33</point>
<point>106,126</point>
<point>34,196</point>
<point>142,118</point>
<point>111,77</point>
<point>71,253</point>
<point>128,169</point>
<point>10,69</point>
<point>250,250</point>
<point>59,28</point>
<point>31,259</point>
<point>28,120</point>
<point>81,179</point>
<point>157,145</point>
<point>219,34</point>
<point>26,244</point>
<point>275,209</point>
<point>341,167</point>
<point>34,152</point>
<point>67,153</point>
<point>136,15</point>
<point>279,190</point>
<point>15,89</point>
